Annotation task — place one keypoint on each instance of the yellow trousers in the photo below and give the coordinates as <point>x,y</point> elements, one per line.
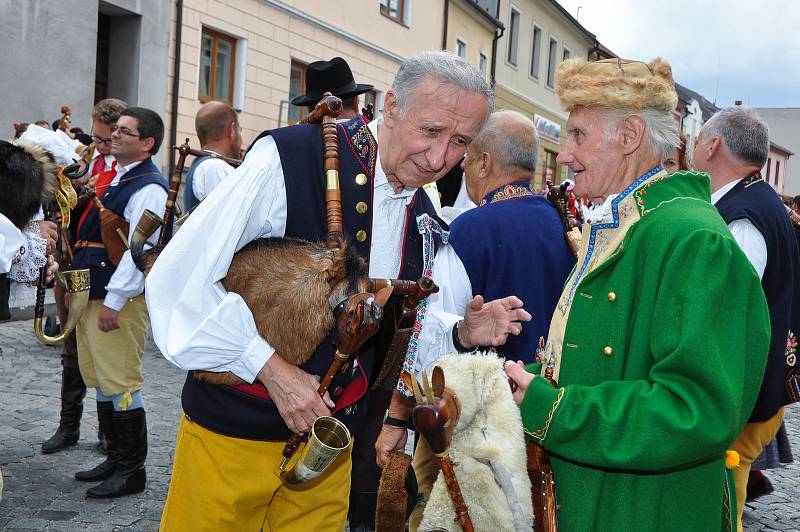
<point>749,444</point>
<point>220,483</point>
<point>113,360</point>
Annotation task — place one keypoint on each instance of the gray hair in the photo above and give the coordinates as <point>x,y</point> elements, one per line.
<point>742,131</point>
<point>661,129</point>
<point>514,145</point>
<point>443,66</point>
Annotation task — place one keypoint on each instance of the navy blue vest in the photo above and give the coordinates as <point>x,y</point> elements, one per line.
<point>115,199</point>
<point>756,201</point>
<point>230,410</point>
<point>513,245</point>
<point>190,201</point>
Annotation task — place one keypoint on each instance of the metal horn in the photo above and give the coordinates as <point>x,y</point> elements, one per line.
<point>329,437</point>
<point>77,284</point>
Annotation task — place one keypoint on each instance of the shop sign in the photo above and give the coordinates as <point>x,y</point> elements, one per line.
<point>547,129</point>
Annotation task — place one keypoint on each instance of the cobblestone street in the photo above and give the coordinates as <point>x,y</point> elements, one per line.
<point>41,494</point>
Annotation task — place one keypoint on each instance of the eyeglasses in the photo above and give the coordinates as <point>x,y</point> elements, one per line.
<point>124,131</point>
<point>97,139</point>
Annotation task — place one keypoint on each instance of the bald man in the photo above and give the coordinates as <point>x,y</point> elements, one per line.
<point>219,132</point>
<point>511,244</point>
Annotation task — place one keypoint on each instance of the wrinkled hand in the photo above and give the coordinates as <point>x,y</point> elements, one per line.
<point>517,373</point>
<point>49,231</point>
<point>107,320</point>
<point>294,393</point>
<point>490,323</point>
<point>390,439</point>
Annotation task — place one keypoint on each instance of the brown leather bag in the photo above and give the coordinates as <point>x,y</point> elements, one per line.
<point>110,227</point>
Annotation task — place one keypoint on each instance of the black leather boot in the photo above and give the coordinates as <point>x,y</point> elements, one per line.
<point>102,444</point>
<point>73,390</point>
<point>105,418</point>
<point>130,441</point>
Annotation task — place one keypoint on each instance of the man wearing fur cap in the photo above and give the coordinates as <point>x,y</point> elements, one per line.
<point>231,438</point>
<point>653,387</point>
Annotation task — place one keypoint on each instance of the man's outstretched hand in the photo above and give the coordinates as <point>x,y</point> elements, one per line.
<point>490,323</point>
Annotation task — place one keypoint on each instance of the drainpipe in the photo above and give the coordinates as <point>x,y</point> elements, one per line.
<point>497,35</point>
<point>176,82</point>
<point>446,16</point>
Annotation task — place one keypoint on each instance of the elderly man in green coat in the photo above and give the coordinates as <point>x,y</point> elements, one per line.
<point>658,342</point>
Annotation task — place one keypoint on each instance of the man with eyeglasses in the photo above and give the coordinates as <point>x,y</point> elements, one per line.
<point>112,329</point>
<point>102,172</point>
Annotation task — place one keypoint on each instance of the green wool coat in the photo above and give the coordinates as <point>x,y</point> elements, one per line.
<point>658,379</point>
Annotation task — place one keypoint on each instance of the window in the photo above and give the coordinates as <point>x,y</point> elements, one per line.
<point>394,9</point>
<point>777,172</point>
<point>567,53</point>
<point>217,66</point>
<point>513,36</point>
<point>551,63</point>
<point>536,51</point>
<point>483,64</point>
<point>371,98</point>
<point>461,48</point>
<point>297,86</point>
<point>769,167</point>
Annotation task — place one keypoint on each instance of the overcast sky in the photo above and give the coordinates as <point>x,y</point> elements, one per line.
<point>726,50</point>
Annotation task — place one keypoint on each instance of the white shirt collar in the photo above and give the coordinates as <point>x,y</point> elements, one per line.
<point>716,196</point>
<point>380,175</point>
<point>122,170</point>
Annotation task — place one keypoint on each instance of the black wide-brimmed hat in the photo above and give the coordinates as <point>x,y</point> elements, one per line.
<point>332,76</point>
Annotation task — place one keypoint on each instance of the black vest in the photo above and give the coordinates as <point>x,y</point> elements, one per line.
<point>190,201</point>
<point>756,201</point>
<point>115,199</point>
<point>244,411</point>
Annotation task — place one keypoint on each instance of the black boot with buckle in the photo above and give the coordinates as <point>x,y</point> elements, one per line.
<point>105,417</point>
<point>73,390</point>
<point>130,443</point>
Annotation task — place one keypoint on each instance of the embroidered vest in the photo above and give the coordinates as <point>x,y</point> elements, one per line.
<point>756,201</point>
<point>513,244</point>
<point>245,411</point>
<point>115,199</point>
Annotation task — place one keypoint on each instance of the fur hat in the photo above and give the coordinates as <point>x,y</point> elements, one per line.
<point>616,84</point>
<point>27,177</point>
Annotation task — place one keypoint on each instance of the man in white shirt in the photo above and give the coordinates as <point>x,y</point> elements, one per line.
<point>220,133</point>
<point>112,329</point>
<point>101,172</point>
<point>231,439</point>
<point>732,147</point>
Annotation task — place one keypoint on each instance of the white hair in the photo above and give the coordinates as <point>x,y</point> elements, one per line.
<point>443,66</point>
<point>742,131</point>
<point>661,129</point>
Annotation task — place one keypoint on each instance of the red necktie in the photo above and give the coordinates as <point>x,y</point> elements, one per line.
<point>104,178</point>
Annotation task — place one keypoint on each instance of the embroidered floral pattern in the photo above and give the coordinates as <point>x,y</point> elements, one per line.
<point>752,179</point>
<point>362,143</point>
<point>791,349</point>
<point>508,192</point>
<point>426,226</point>
<point>640,194</point>
<point>793,379</point>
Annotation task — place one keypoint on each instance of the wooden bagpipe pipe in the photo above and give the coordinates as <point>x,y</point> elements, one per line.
<point>300,291</point>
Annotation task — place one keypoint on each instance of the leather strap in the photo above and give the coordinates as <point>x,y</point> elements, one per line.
<point>86,244</point>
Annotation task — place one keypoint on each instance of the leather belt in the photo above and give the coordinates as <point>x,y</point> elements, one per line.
<point>86,244</point>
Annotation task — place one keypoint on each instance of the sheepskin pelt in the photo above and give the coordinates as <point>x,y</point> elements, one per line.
<point>616,84</point>
<point>489,430</point>
<point>46,164</point>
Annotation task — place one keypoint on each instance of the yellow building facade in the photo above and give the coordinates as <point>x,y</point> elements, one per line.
<point>538,35</point>
<point>470,32</point>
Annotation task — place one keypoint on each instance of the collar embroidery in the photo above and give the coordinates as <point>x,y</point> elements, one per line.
<point>508,192</point>
<point>752,179</point>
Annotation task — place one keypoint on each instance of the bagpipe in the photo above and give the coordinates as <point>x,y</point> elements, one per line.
<point>329,289</point>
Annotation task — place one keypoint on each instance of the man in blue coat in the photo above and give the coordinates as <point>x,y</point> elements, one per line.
<point>112,329</point>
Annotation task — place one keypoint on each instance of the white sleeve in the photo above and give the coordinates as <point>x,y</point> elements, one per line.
<point>196,323</point>
<point>11,241</point>
<point>209,174</point>
<point>752,243</point>
<point>445,309</point>
<point>128,281</point>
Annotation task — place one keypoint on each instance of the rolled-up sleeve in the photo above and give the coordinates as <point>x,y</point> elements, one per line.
<point>196,323</point>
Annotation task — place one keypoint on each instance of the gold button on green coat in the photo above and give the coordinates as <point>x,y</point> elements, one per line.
<point>361,207</point>
<point>361,235</point>
<point>612,296</point>
<point>361,179</point>
<point>608,350</point>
